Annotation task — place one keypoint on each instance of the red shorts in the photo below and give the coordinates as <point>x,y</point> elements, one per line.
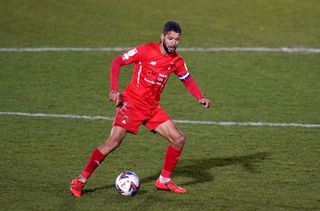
<point>130,117</point>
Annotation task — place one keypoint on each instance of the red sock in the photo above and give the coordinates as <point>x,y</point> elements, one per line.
<point>95,160</point>
<point>171,158</point>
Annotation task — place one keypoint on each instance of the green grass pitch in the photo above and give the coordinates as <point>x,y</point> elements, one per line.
<point>223,167</point>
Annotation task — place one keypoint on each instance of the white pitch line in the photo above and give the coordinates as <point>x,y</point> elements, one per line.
<point>195,49</point>
<point>195,122</point>
<point>67,116</point>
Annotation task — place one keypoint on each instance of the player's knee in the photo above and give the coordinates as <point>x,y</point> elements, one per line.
<point>179,141</point>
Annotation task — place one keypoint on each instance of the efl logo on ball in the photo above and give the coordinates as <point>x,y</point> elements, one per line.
<point>127,183</point>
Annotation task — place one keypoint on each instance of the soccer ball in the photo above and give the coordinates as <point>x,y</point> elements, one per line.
<point>127,183</point>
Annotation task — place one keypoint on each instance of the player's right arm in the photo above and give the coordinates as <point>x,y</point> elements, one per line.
<point>128,57</point>
<point>114,73</point>
<point>114,95</point>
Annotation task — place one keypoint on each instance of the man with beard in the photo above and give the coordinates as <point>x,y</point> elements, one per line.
<point>139,104</point>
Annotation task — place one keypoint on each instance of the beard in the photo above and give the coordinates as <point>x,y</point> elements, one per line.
<point>167,49</point>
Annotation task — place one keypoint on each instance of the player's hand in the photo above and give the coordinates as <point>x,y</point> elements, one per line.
<point>114,96</point>
<point>205,102</point>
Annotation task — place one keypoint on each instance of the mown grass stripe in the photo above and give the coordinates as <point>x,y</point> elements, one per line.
<point>193,49</point>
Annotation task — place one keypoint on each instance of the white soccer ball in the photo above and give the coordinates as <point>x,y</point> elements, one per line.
<point>127,183</point>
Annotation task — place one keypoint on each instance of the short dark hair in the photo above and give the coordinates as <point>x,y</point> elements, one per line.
<point>171,26</point>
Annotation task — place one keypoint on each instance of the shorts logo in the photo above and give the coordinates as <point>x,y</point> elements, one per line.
<point>153,63</point>
<point>124,120</point>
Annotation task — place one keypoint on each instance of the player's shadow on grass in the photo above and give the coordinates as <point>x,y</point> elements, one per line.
<point>198,169</point>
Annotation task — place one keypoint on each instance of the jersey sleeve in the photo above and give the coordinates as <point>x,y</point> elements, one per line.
<point>185,77</point>
<point>133,55</point>
<point>182,70</point>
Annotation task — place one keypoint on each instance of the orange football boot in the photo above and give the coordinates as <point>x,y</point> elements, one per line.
<point>76,187</point>
<point>170,186</point>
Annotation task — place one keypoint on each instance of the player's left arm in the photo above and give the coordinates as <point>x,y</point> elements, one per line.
<point>194,90</point>
<point>192,87</point>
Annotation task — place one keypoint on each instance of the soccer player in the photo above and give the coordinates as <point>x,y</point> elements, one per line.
<point>139,104</point>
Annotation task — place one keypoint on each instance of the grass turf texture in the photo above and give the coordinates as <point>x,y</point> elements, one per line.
<point>224,168</point>
<point>205,23</point>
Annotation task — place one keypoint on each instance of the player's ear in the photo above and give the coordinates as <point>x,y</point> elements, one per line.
<point>162,36</point>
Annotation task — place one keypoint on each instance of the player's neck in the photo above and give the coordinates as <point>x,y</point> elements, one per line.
<point>162,50</point>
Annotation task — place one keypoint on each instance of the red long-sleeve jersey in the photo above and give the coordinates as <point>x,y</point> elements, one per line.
<point>151,72</point>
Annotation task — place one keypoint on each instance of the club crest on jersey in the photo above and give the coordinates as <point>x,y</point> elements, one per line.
<point>171,65</point>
